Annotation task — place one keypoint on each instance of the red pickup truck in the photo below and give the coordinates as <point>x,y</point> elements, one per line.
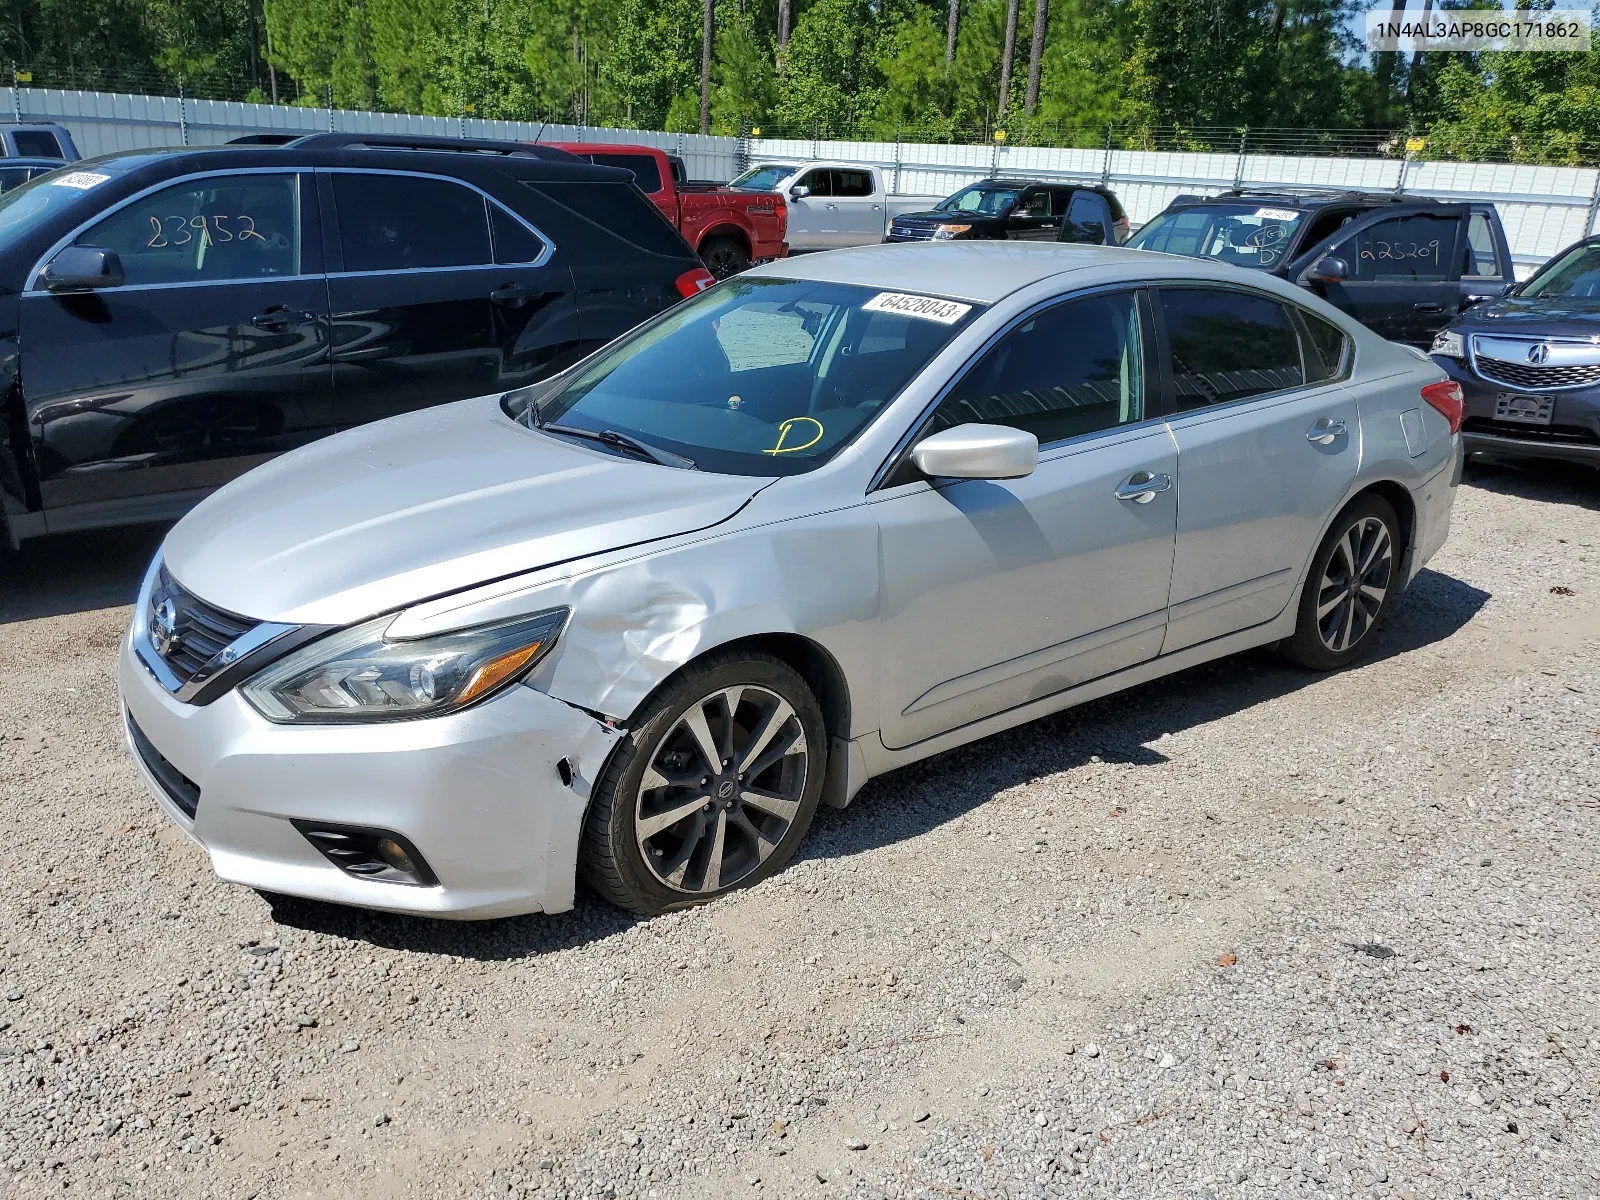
<point>728,230</point>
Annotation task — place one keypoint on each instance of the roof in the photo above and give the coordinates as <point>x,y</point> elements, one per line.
<point>1301,197</point>
<point>983,271</point>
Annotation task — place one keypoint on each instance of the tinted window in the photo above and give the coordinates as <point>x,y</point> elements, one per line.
<point>620,210</point>
<point>11,177</point>
<point>852,183</point>
<point>820,182</point>
<point>1575,273</point>
<point>990,201</point>
<point>1482,257</point>
<point>759,376</point>
<point>1246,235</point>
<point>1328,348</point>
<point>1415,247</point>
<point>646,173</point>
<point>1087,219</point>
<point>1069,370</point>
<point>403,222</point>
<point>1227,345</point>
<point>229,227</point>
<point>514,242</point>
<point>36,143</point>
<point>1034,204</point>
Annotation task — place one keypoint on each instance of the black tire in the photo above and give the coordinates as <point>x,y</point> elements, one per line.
<point>611,856</point>
<point>1326,639</point>
<point>724,257</point>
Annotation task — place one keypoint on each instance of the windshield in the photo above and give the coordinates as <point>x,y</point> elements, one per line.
<point>25,207</point>
<point>1242,234</point>
<point>757,376</point>
<point>991,202</point>
<point>1575,275</point>
<point>762,179</point>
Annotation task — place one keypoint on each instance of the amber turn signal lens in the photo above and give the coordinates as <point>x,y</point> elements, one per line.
<point>495,672</point>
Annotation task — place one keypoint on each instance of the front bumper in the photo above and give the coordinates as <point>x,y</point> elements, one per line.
<point>1573,434</point>
<point>480,794</point>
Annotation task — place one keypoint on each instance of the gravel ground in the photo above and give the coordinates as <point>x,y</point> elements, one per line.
<point>1248,932</point>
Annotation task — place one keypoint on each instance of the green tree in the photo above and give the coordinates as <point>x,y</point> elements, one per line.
<point>745,73</point>
<point>326,47</point>
<point>831,77</point>
<point>654,61</point>
<point>1537,108</point>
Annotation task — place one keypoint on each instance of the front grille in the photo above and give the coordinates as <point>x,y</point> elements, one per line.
<point>1565,434</point>
<point>200,631</point>
<point>180,789</point>
<point>1546,378</point>
<point>911,233</point>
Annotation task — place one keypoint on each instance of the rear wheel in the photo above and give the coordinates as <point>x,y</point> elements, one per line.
<point>712,790</point>
<point>724,257</point>
<point>1350,588</point>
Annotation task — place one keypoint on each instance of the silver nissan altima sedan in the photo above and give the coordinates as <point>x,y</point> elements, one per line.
<point>827,518</point>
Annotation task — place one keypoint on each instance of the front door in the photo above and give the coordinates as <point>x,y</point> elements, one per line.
<point>1268,446</point>
<point>1403,270</point>
<point>996,593</point>
<point>813,218</point>
<point>1036,218</point>
<point>209,359</point>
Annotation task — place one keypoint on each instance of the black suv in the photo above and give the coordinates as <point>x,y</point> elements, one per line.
<point>1402,267</point>
<point>1021,210</point>
<point>171,318</point>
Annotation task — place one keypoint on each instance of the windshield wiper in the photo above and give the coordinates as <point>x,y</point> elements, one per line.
<point>623,441</point>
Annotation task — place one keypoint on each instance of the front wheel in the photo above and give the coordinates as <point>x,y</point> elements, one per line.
<point>724,257</point>
<point>713,789</point>
<point>1350,588</point>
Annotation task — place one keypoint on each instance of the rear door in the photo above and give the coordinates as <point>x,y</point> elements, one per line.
<point>858,207</point>
<point>1486,269</point>
<point>1403,269</point>
<point>210,358</point>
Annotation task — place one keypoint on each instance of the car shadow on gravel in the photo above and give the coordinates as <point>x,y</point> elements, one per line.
<point>915,799</point>
<point>76,572</point>
<point>1122,728</point>
<point>1544,481</point>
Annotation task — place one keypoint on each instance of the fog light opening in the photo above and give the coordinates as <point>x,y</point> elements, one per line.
<point>393,853</point>
<point>379,855</point>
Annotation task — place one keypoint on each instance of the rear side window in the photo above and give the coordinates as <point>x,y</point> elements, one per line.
<point>36,143</point>
<point>620,210</point>
<point>1482,257</point>
<point>852,183</point>
<point>820,182</point>
<point>1328,350</point>
<point>408,222</point>
<point>1088,219</point>
<point>226,227</point>
<point>514,242</point>
<point>1225,346</point>
<point>645,171</point>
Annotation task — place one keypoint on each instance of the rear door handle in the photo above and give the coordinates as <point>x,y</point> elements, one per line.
<point>278,318</point>
<point>1141,487</point>
<point>1428,307</point>
<point>512,295</point>
<point>1325,431</point>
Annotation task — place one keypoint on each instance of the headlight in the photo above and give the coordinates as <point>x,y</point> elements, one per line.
<point>945,232</point>
<point>359,675</point>
<point>1448,344</point>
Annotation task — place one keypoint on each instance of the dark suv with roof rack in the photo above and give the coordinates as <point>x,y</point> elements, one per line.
<point>1403,267</point>
<point>173,318</point>
<point>1029,210</point>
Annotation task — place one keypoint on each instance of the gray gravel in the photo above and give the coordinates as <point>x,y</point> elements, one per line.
<point>1247,932</point>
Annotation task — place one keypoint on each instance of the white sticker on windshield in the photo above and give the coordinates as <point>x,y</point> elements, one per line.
<point>1277,214</point>
<point>82,180</point>
<point>946,312</point>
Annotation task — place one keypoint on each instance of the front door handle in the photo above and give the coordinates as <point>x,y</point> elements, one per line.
<point>1141,487</point>
<point>1324,431</point>
<point>278,318</point>
<point>1426,306</point>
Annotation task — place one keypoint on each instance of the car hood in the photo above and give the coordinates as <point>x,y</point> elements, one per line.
<point>935,216</point>
<point>422,505</point>
<point>1533,317</point>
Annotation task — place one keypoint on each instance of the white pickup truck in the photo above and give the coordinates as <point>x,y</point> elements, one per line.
<point>831,204</point>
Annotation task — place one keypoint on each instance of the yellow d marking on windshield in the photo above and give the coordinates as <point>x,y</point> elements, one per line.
<point>783,433</point>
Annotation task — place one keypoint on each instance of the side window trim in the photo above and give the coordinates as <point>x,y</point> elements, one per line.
<point>31,288</point>
<point>1156,405</point>
<point>331,218</point>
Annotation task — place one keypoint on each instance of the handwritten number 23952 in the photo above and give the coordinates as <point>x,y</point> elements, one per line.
<point>180,231</point>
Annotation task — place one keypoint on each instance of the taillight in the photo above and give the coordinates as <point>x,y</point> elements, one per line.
<point>1447,398</point>
<point>692,283</point>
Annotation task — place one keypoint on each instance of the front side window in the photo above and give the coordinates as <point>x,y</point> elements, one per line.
<point>1075,368</point>
<point>1246,235</point>
<point>988,201</point>
<point>227,227</point>
<point>1418,247</point>
<point>1034,204</point>
<point>408,222</point>
<point>758,376</point>
<point>1576,273</point>
<point>1225,346</point>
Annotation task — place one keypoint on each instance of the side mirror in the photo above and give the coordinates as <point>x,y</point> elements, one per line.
<point>799,192</point>
<point>82,269</point>
<point>1327,269</point>
<point>978,452</point>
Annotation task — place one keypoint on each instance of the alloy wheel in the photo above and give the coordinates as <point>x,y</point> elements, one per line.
<point>1354,583</point>
<point>722,788</point>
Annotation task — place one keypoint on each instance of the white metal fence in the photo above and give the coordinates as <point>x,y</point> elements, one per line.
<point>1543,208</point>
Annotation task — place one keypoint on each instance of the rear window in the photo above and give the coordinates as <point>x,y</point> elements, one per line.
<point>36,143</point>
<point>645,171</point>
<point>618,209</point>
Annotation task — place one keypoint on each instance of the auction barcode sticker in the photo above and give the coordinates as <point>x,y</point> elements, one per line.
<point>946,312</point>
<point>82,180</point>
<point>1277,214</point>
